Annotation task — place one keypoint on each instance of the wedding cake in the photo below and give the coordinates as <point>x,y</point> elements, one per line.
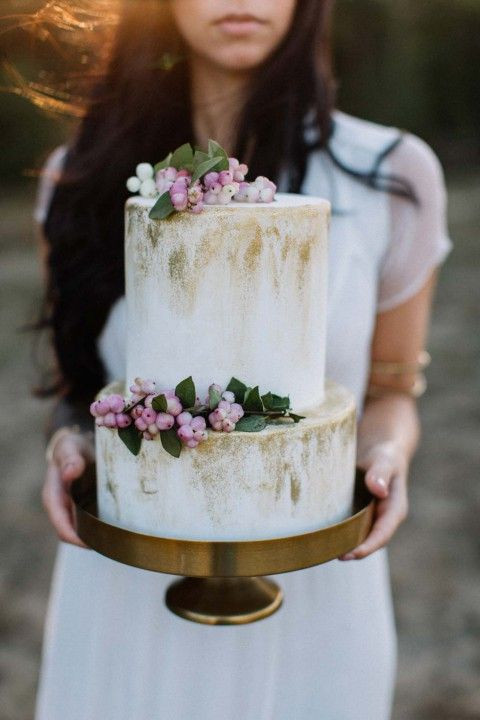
<point>233,299</point>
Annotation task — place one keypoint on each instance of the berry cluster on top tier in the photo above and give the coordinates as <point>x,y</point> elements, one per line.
<point>179,417</point>
<point>188,179</point>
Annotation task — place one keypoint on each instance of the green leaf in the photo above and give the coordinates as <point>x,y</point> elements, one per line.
<point>163,163</point>
<point>159,403</point>
<point>131,437</point>
<point>182,157</point>
<point>186,392</point>
<point>204,167</point>
<point>238,388</point>
<point>251,423</point>
<point>162,208</point>
<point>296,418</point>
<point>214,398</point>
<point>200,156</point>
<point>252,400</point>
<point>275,402</point>
<point>171,442</point>
<point>216,150</point>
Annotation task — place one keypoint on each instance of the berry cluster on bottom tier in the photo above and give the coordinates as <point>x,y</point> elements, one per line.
<point>179,417</point>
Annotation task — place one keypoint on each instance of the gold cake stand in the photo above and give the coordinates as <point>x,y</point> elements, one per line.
<point>222,583</point>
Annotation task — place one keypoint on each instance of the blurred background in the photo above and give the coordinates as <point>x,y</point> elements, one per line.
<point>406,63</point>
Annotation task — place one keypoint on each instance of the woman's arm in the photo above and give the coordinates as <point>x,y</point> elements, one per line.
<point>72,448</point>
<point>389,429</point>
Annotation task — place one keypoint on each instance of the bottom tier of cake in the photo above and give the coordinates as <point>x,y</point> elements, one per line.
<point>284,480</point>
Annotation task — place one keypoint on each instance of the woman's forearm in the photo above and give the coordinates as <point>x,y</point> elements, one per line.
<point>389,421</point>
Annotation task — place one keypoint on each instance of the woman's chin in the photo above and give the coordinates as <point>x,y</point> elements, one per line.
<point>241,61</point>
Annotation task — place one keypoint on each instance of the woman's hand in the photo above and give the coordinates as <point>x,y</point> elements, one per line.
<point>71,453</point>
<point>386,475</point>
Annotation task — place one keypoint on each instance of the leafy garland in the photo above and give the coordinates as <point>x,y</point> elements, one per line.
<point>258,411</point>
<point>187,178</point>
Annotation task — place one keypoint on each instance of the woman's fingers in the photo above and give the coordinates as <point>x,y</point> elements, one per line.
<point>68,463</point>
<point>69,459</point>
<point>390,513</point>
<point>58,505</point>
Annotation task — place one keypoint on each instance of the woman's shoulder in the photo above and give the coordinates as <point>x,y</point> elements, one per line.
<point>49,174</point>
<point>408,154</point>
<point>356,133</point>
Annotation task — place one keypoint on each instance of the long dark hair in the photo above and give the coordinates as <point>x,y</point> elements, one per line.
<point>139,109</point>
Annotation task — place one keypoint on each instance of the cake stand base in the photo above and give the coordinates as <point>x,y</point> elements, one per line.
<point>224,601</point>
<point>222,583</point>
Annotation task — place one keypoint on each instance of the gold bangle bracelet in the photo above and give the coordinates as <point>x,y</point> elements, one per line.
<point>399,368</point>
<point>57,435</point>
<point>416,390</point>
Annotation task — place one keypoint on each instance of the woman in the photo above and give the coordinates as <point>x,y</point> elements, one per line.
<point>254,75</point>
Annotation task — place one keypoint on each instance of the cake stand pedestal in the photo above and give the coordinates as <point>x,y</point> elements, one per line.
<point>222,583</point>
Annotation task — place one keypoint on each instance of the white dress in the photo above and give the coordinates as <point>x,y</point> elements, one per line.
<point>112,651</point>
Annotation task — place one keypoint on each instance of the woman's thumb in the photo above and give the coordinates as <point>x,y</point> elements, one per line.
<point>378,477</point>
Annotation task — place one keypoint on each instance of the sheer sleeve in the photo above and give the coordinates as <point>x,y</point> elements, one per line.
<point>48,177</point>
<point>419,239</point>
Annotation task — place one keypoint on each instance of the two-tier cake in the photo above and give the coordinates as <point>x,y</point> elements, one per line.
<point>236,290</point>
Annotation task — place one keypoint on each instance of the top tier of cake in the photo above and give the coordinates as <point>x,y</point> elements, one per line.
<point>238,289</point>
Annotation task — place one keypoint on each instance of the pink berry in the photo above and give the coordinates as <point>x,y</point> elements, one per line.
<point>179,201</point>
<point>266,195</point>
<point>116,403</point>
<point>191,443</point>
<point>149,415</point>
<point>147,436</point>
<point>198,423</point>
<point>185,433</point>
<point>99,421</point>
<point>174,406</point>
<point>228,425</point>
<point>200,435</point>
<point>137,411</point>
<point>225,177</point>
<point>184,418</point>
<point>209,179</point>
<point>135,388</point>
<point>103,406</point>
<point>219,414</point>
<point>224,405</point>
<point>140,424</point>
<point>109,420</point>
<point>164,421</point>
<point>237,409</point>
<point>148,387</point>
<point>228,396</point>
<point>123,420</point>
<point>197,208</point>
<point>93,409</point>
<point>170,173</point>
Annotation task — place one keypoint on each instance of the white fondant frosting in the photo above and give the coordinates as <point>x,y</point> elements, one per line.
<point>238,289</point>
<point>284,480</point>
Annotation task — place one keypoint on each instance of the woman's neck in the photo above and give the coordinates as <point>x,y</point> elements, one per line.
<point>217,99</point>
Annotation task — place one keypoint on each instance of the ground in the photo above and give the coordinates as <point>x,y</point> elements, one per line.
<point>434,557</point>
